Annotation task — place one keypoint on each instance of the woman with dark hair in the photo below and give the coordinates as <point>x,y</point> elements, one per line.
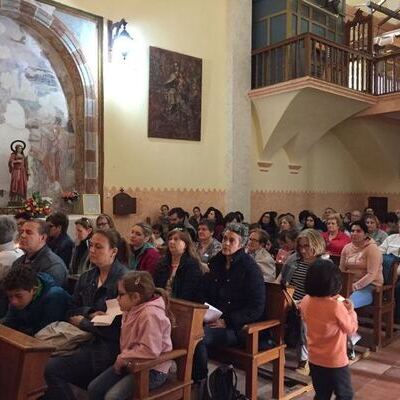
<point>196,217</point>
<point>143,257</point>
<point>93,288</point>
<point>231,217</point>
<point>363,258</point>
<point>105,222</point>
<point>268,224</point>
<point>311,221</point>
<point>179,271</point>
<point>216,216</point>
<point>80,256</point>
<point>207,246</point>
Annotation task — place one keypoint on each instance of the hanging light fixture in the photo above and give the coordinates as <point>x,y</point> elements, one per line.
<point>119,40</point>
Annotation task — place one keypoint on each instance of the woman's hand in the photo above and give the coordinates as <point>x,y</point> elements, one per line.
<point>348,304</point>
<point>76,320</point>
<point>92,315</point>
<point>219,323</point>
<point>119,365</point>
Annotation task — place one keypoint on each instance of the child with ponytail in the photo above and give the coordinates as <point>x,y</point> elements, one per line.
<point>145,333</point>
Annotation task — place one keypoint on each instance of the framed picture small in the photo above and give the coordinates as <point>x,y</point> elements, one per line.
<point>91,204</point>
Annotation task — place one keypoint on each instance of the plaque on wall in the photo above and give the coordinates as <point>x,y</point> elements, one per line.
<point>91,204</point>
<point>123,204</point>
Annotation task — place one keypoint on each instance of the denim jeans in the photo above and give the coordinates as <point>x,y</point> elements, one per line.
<point>362,297</point>
<point>112,386</point>
<point>212,337</point>
<point>301,348</point>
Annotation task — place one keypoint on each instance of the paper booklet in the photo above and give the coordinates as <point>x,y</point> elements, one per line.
<point>212,314</point>
<point>112,311</point>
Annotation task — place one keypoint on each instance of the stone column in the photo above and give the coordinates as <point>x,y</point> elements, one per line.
<point>238,107</point>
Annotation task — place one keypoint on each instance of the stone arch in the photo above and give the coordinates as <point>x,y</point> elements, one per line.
<point>83,100</point>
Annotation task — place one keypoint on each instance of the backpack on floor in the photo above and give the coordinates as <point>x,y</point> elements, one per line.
<point>222,385</point>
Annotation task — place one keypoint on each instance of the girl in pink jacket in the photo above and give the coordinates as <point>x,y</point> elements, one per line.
<point>145,333</point>
<point>329,319</point>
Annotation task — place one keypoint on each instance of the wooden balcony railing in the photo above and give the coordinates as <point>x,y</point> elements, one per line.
<point>311,55</point>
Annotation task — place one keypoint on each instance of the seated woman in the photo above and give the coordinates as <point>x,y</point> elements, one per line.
<point>286,222</point>
<point>235,286</point>
<point>93,288</point>
<point>256,247</point>
<point>268,224</point>
<point>145,334</point>
<point>105,222</point>
<point>374,232</point>
<point>34,300</point>
<point>80,256</point>
<point>213,214</point>
<point>310,246</point>
<point>144,257</point>
<point>287,245</point>
<point>179,271</point>
<point>207,246</point>
<point>363,258</point>
<point>196,217</point>
<point>334,238</point>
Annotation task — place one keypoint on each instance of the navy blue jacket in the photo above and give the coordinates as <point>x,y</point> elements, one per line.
<point>88,298</point>
<point>63,246</point>
<point>49,306</point>
<point>238,292</point>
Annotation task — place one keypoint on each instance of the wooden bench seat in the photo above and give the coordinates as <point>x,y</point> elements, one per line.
<point>185,336</point>
<point>22,362</point>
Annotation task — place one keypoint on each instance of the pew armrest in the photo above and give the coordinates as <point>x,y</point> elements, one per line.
<point>140,364</point>
<point>260,326</point>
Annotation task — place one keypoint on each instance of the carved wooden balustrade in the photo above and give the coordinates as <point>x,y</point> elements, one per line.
<point>312,55</point>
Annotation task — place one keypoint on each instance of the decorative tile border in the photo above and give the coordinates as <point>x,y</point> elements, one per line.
<point>150,200</point>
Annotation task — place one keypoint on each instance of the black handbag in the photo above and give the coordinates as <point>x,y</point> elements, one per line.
<point>293,322</point>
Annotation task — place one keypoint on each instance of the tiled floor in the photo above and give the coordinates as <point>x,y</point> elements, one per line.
<point>377,377</point>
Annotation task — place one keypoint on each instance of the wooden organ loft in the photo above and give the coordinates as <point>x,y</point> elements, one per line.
<point>310,38</point>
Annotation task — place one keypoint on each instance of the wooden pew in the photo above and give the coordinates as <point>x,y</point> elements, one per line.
<point>22,362</point>
<point>252,357</point>
<point>185,336</point>
<point>380,314</point>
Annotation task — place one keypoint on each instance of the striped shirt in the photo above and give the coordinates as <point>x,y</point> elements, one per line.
<point>298,280</point>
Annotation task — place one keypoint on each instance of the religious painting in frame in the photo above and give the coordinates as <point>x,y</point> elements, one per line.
<point>174,95</point>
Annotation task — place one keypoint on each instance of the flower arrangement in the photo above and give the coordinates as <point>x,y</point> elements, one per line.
<point>37,205</point>
<point>70,197</point>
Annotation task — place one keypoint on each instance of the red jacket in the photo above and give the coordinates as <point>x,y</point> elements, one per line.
<point>335,246</point>
<point>146,260</point>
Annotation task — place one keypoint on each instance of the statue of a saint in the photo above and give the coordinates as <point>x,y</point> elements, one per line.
<point>18,167</point>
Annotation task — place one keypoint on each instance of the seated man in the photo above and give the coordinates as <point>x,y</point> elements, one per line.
<point>35,300</point>
<point>9,252</point>
<point>59,241</point>
<point>38,256</point>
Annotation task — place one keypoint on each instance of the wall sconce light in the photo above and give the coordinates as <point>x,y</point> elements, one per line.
<point>119,39</point>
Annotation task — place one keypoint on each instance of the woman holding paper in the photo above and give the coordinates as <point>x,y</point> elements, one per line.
<point>235,286</point>
<point>93,288</point>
